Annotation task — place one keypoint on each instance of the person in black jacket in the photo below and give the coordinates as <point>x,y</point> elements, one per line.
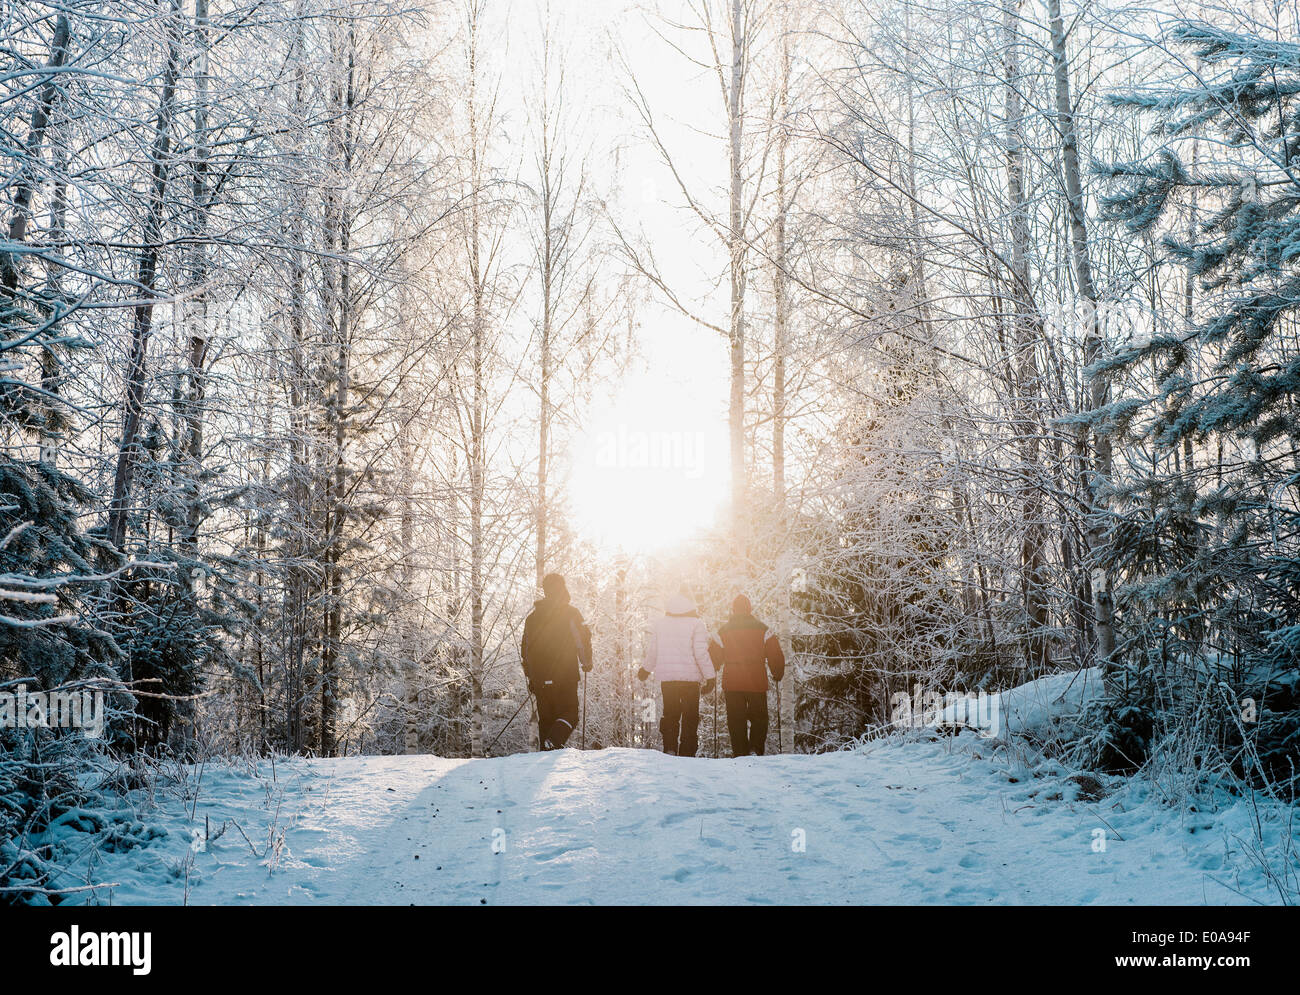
<point>555,643</point>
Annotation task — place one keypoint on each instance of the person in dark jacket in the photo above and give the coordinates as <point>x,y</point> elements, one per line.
<point>745,650</point>
<point>555,643</point>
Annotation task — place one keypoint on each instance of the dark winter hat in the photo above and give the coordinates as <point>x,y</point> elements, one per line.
<point>741,606</point>
<point>553,586</point>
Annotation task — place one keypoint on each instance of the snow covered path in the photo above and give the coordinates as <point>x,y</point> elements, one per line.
<point>903,823</point>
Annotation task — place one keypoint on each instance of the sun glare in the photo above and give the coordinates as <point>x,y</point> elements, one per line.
<point>650,472</point>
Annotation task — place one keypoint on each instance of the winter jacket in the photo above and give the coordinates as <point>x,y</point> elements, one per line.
<point>744,649</point>
<point>555,642</point>
<point>678,645</point>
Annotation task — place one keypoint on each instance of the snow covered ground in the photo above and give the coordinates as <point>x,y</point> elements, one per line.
<point>915,821</point>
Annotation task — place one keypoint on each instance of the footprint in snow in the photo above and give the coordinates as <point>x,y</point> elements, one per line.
<point>930,843</point>
<point>554,853</point>
<point>679,817</point>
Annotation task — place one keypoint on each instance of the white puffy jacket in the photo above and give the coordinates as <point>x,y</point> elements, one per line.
<point>677,648</point>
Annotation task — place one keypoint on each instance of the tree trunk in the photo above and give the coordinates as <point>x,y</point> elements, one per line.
<point>25,182</point>
<point>736,236</point>
<point>478,403</point>
<point>1026,387</point>
<point>343,138</point>
<point>146,279</point>
<point>548,307</point>
<point>52,424</point>
<point>780,282</point>
<point>780,345</point>
<point>1098,474</point>
<point>198,344</point>
<point>410,662</point>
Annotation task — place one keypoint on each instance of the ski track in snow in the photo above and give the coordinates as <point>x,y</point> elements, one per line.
<point>894,823</point>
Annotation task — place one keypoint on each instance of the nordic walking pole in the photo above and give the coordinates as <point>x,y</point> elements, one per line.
<point>584,710</point>
<point>507,725</point>
<point>715,722</point>
<point>780,740</point>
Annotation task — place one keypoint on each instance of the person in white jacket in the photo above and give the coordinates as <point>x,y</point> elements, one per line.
<point>677,653</point>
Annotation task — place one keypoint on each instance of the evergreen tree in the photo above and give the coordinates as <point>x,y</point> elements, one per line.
<point>1207,538</point>
<point>49,638</point>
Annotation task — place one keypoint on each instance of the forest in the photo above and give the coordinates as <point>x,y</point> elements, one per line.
<point>984,317</point>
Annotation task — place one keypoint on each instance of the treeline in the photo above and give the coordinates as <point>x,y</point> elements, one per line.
<point>1010,301</point>
<point>269,274</point>
<point>1066,260</point>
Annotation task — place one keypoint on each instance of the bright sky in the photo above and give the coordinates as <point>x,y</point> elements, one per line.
<point>651,469</point>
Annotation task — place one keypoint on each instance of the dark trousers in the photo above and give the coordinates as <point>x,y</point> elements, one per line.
<point>557,713</point>
<point>747,722</point>
<point>681,715</point>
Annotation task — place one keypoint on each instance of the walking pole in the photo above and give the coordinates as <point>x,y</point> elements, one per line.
<point>780,740</point>
<point>715,722</point>
<point>507,725</point>
<point>584,710</point>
